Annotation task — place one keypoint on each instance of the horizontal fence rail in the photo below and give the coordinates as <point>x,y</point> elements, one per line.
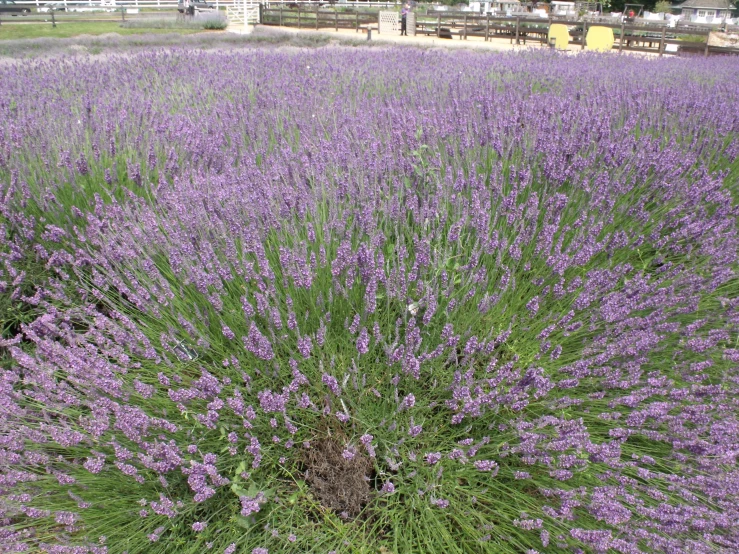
<point>637,35</point>
<point>97,5</point>
<point>634,36</point>
<point>305,18</point>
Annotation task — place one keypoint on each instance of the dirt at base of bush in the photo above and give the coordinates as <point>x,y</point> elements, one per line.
<point>338,483</point>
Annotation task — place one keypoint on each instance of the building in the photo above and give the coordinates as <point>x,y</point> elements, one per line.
<point>561,8</point>
<point>706,11</point>
<point>508,7</point>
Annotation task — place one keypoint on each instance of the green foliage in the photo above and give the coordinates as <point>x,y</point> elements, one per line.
<point>66,29</point>
<point>216,23</point>
<point>663,6</point>
<point>693,38</point>
<point>209,23</point>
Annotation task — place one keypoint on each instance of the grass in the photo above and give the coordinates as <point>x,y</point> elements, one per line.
<point>212,22</point>
<point>68,29</point>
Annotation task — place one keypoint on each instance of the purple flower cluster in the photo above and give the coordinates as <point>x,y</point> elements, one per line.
<point>250,505</point>
<point>501,277</point>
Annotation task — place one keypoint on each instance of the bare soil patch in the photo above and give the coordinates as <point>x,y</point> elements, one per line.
<point>338,483</point>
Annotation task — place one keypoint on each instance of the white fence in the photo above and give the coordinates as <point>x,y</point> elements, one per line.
<point>244,12</point>
<point>108,5</point>
<point>389,22</point>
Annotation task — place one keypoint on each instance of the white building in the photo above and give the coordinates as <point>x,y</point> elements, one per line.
<point>507,7</point>
<point>563,8</point>
<point>706,11</point>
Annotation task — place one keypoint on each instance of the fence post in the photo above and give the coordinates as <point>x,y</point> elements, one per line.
<point>621,38</point>
<point>518,23</point>
<point>465,28</point>
<point>584,34</point>
<point>438,26</point>
<point>487,27</point>
<point>280,15</point>
<point>317,9</point>
<point>662,42</point>
<point>705,53</point>
<point>357,22</point>
<point>298,16</point>
<point>336,19</point>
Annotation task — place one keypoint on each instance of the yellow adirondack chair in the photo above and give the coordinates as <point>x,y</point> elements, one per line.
<point>560,34</point>
<point>599,39</point>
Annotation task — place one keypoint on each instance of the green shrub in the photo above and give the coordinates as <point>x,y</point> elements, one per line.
<point>693,38</point>
<point>208,22</point>
<point>663,6</point>
<point>161,24</point>
<point>215,23</point>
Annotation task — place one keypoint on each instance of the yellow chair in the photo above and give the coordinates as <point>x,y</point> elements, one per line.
<point>599,39</point>
<point>560,34</point>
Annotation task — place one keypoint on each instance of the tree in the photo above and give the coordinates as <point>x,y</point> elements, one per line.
<point>663,6</point>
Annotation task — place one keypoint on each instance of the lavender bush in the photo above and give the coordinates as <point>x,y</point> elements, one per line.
<point>395,301</point>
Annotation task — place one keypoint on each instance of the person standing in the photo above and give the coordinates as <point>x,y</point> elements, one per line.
<point>404,19</point>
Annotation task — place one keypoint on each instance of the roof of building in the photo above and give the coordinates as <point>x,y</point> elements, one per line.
<point>709,4</point>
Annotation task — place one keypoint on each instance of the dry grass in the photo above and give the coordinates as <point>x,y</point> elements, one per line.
<point>116,43</point>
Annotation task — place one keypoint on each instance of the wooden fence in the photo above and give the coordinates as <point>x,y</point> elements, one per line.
<point>169,4</point>
<point>635,36</point>
<point>316,18</point>
<point>630,36</point>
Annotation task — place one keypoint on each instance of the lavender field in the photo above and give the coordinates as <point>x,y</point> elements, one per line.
<point>369,301</point>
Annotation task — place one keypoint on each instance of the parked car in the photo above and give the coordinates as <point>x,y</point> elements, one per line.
<point>199,5</point>
<point>83,7</point>
<point>9,6</point>
<point>52,6</point>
